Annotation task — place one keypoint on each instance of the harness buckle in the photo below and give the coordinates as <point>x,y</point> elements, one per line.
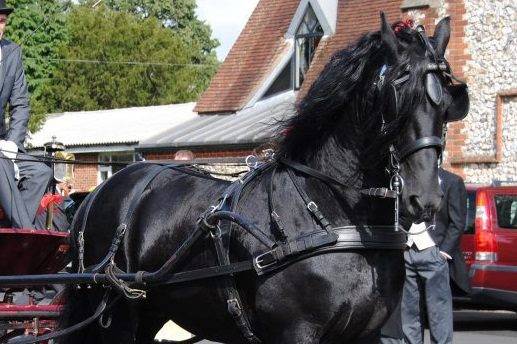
<point>264,260</point>
<point>313,207</point>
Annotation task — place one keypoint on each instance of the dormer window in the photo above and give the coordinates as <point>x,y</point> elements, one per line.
<point>306,31</point>
<point>307,38</point>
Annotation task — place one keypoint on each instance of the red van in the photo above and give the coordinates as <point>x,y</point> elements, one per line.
<point>489,245</point>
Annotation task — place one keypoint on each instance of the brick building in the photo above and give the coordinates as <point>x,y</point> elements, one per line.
<point>106,136</point>
<point>286,43</point>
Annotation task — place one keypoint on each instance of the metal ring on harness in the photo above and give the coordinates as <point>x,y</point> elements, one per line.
<point>397,183</point>
<point>252,161</point>
<point>105,323</point>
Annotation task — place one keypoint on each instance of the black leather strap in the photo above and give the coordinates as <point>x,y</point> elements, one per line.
<point>231,294</point>
<point>379,192</point>
<point>303,244</point>
<point>424,142</point>
<point>311,205</point>
<point>372,192</point>
<point>278,226</point>
<point>122,228</point>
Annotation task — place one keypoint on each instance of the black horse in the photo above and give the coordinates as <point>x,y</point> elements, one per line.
<point>343,128</point>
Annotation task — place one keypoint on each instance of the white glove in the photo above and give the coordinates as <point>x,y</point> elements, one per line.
<point>10,150</point>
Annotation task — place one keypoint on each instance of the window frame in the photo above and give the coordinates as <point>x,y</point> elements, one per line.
<point>108,169</point>
<point>305,36</point>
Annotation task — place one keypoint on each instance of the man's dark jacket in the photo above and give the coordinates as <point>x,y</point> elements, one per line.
<point>13,91</point>
<point>450,223</point>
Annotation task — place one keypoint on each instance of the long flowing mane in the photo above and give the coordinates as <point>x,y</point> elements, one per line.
<point>343,105</point>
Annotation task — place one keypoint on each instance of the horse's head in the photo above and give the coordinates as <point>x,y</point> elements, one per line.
<point>419,96</point>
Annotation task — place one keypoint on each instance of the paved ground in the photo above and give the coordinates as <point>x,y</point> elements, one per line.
<point>484,327</point>
<point>471,327</point>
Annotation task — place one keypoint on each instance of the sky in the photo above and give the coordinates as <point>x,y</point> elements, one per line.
<point>226,18</point>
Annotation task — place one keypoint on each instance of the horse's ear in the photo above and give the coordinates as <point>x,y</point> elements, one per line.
<point>442,33</point>
<point>389,40</point>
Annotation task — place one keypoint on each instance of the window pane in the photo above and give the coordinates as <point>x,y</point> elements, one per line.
<point>303,60</point>
<point>117,168</point>
<point>282,83</point>
<point>104,175</point>
<point>506,206</point>
<point>308,37</point>
<point>303,30</point>
<point>122,157</point>
<point>471,212</point>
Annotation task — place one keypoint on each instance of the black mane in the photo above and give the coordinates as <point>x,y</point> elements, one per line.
<point>343,104</point>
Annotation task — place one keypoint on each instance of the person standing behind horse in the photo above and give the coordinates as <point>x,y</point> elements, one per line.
<point>433,256</point>
<point>20,200</point>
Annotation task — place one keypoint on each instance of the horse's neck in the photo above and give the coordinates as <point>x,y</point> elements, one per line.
<point>342,161</point>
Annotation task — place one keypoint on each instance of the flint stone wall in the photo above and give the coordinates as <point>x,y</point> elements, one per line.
<point>491,36</point>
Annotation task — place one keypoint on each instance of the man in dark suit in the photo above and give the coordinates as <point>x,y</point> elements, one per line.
<point>432,257</point>
<point>22,183</point>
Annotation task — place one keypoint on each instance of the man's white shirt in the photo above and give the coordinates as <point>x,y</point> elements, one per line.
<point>422,240</point>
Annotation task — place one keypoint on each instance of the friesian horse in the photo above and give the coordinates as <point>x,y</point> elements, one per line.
<point>343,128</point>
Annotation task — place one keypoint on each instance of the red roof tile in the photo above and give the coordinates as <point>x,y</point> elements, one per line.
<point>251,58</point>
<point>262,42</point>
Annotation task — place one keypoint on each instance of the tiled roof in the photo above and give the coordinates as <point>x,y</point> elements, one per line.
<point>250,126</point>
<point>262,43</point>
<point>251,58</point>
<point>355,17</point>
<point>110,127</point>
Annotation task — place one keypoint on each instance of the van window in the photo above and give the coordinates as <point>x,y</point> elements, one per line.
<point>506,206</point>
<point>471,212</point>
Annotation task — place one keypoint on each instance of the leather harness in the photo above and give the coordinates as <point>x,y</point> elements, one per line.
<point>219,221</point>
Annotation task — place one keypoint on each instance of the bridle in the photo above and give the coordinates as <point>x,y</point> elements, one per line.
<point>439,67</point>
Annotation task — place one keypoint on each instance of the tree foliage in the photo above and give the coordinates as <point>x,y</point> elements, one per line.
<point>179,16</point>
<point>118,54</point>
<point>39,27</point>
<point>115,59</point>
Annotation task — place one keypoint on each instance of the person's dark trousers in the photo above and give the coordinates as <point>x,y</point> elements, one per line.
<point>20,200</point>
<point>390,340</point>
<point>427,281</point>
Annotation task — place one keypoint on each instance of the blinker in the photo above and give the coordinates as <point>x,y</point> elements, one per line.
<point>434,88</point>
<point>459,108</point>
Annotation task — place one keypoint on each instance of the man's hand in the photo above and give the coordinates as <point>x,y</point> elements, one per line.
<point>445,255</point>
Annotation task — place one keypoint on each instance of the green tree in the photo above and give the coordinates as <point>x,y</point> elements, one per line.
<point>39,27</point>
<point>178,15</point>
<point>115,59</point>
